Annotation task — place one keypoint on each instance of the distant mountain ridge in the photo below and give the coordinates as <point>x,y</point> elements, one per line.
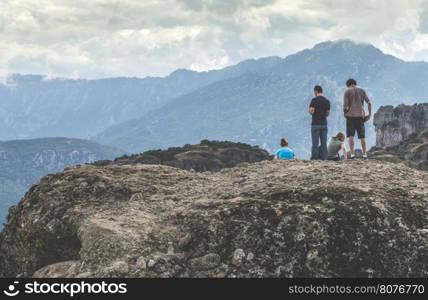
<point>261,106</point>
<point>255,101</point>
<point>27,101</point>
<point>24,162</point>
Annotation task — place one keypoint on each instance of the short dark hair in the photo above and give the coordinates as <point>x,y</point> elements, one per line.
<point>318,89</point>
<point>284,142</point>
<point>350,82</point>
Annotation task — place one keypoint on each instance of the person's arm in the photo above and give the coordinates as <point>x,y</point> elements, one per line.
<point>345,103</point>
<point>345,152</point>
<point>312,107</point>
<point>369,104</point>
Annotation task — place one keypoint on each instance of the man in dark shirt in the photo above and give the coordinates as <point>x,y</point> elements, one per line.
<point>320,110</point>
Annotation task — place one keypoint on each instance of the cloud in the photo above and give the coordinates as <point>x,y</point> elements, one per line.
<point>105,38</point>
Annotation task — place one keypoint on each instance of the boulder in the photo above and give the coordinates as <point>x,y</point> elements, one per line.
<point>394,124</point>
<point>265,219</point>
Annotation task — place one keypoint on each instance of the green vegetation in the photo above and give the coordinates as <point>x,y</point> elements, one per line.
<point>24,162</point>
<point>10,193</point>
<point>225,144</point>
<point>169,153</point>
<point>424,134</point>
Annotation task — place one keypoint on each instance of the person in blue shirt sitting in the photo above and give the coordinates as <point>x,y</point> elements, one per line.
<point>284,152</point>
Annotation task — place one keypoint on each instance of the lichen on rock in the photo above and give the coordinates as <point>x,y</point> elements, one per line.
<point>265,219</point>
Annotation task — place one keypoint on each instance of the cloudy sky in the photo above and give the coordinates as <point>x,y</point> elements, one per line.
<point>105,38</point>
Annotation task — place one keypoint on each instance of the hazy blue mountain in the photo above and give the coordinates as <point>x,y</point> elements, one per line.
<point>255,101</point>
<point>32,106</point>
<point>262,105</point>
<point>253,108</point>
<point>24,162</point>
<point>10,193</point>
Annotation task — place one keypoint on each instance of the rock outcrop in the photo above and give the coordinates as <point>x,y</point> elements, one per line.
<point>266,219</point>
<point>206,156</point>
<point>394,124</point>
<point>402,135</point>
<point>412,151</point>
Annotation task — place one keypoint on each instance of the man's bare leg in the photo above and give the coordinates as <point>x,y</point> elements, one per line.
<point>352,145</point>
<point>364,146</point>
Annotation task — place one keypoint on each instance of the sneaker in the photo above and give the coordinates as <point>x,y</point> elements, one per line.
<point>352,156</point>
<point>365,157</point>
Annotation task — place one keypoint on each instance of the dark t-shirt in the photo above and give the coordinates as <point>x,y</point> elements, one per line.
<point>322,106</point>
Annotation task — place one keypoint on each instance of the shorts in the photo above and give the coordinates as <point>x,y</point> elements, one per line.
<point>355,124</point>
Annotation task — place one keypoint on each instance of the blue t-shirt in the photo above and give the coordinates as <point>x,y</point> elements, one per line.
<point>285,153</point>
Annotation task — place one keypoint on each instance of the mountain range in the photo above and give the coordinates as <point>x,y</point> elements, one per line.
<point>261,106</point>
<point>27,101</point>
<point>257,101</point>
<point>24,162</point>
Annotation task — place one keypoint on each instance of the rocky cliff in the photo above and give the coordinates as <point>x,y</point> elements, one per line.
<point>412,151</point>
<point>266,219</point>
<point>394,124</point>
<point>402,135</point>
